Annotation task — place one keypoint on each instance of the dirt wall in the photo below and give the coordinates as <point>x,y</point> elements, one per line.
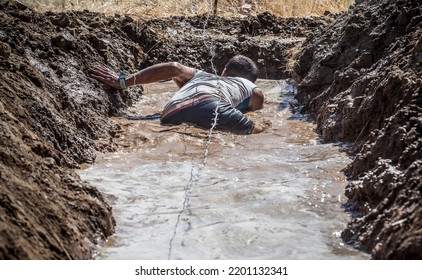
<point>360,79</point>
<point>269,40</point>
<point>52,119</point>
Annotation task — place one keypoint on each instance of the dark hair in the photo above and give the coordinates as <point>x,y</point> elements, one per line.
<point>242,66</point>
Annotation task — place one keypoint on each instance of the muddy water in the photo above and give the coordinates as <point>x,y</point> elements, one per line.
<point>276,195</point>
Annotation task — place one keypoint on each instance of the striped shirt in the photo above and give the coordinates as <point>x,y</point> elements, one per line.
<point>235,90</point>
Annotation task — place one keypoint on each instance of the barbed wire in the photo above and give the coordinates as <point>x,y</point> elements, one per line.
<point>194,177</point>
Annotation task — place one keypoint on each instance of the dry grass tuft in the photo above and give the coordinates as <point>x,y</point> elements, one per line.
<point>290,55</point>
<point>164,8</point>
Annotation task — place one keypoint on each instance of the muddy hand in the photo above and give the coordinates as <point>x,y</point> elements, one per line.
<point>105,75</point>
<point>266,124</point>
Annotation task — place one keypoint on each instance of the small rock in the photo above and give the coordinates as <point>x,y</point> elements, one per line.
<point>5,50</point>
<point>62,21</point>
<point>64,40</point>
<point>403,18</point>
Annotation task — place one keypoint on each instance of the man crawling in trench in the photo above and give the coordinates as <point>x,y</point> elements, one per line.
<point>203,99</point>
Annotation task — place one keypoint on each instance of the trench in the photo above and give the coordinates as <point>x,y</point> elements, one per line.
<point>275,195</point>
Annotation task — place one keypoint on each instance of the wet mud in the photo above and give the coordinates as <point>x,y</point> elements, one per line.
<point>360,79</point>
<point>275,195</point>
<point>359,76</point>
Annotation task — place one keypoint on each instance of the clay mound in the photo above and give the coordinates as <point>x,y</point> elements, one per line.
<point>360,78</point>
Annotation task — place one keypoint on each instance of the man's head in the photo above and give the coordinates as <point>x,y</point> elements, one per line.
<point>241,66</point>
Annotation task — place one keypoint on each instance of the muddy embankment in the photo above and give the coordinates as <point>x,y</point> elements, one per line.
<point>54,117</point>
<point>361,79</point>
<point>270,41</point>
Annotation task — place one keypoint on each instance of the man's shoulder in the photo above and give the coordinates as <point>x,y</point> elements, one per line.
<point>243,81</point>
<point>203,75</point>
<point>206,76</point>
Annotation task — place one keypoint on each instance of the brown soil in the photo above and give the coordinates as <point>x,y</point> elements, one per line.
<point>270,41</point>
<point>360,78</point>
<point>54,117</point>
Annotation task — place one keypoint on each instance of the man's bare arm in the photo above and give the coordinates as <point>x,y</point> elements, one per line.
<point>257,100</point>
<point>159,72</point>
<point>257,103</point>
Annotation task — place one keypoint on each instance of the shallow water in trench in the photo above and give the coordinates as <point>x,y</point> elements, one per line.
<point>275,195</point>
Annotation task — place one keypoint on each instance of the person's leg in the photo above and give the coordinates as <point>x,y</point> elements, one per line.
<point>233,120</point>
<point>202,114</point>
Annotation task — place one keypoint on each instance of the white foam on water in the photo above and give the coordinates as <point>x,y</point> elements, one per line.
<point>275,195</point>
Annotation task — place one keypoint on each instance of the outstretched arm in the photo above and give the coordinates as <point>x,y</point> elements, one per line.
<point>159,72</point>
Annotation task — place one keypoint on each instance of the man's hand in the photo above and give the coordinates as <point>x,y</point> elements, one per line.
<point>258,128</point>
<point>105,75</point>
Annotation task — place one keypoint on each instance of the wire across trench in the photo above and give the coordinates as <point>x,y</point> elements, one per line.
<point>194,176</point>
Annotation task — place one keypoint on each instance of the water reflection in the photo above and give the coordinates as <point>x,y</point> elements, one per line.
<point>275,195</point>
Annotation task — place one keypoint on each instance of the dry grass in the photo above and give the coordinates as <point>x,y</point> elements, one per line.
<point>291,54</point>
<point>164,8</point>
